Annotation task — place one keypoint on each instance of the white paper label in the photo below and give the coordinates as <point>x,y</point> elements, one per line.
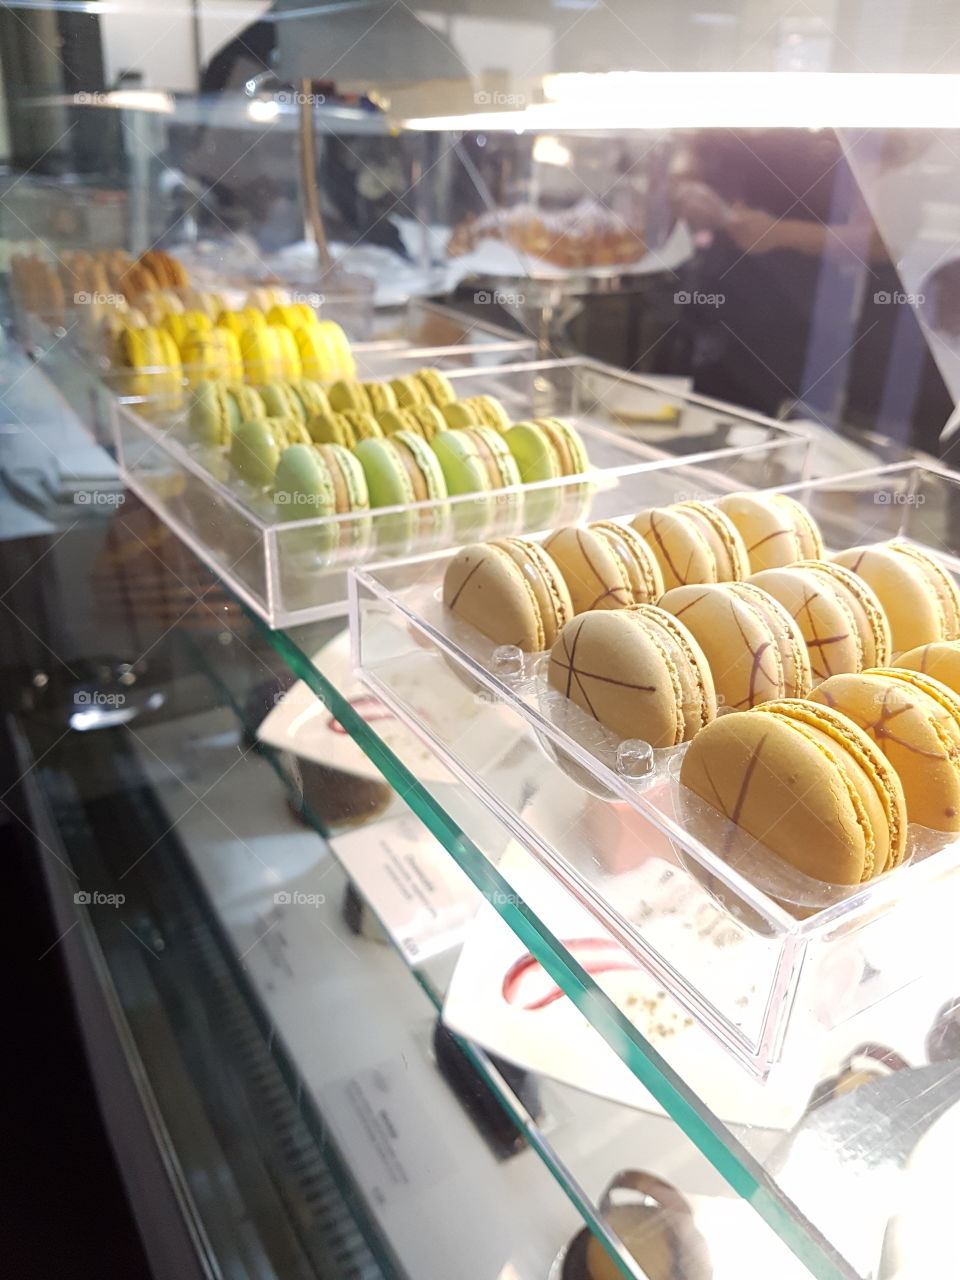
<point>421,896</point>
<point>385,1133</point>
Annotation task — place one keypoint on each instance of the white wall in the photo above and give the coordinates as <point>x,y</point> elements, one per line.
<point>160,44</point>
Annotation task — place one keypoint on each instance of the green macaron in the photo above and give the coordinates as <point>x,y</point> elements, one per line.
<point>425,421</point>
<point>347,394</point>
<point>380,397</point>
<point>209,414</point>
<point>331,428</point>
<point>255,451</point>
<point>567,444</point>
<point>312,397</point>
<point>388,480</point>
<point>464,466</point>
<point>280,400</point>
<point>423,466</point>
<point>438,388</point>
<point>303,486</point>
<point>533,450</point>
<point>244,403</point>
<point>499,461</point>
<point>409,392</point>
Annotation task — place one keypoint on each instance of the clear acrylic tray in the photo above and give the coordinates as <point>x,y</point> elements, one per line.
<point>295,571</point>
<point>618,831</point>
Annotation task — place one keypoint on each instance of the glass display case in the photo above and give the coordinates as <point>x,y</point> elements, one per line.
<point>402,972</point>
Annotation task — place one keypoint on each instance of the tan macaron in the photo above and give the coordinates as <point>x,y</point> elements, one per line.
<point>739,640</point>
<point>637,671</point>
<point>841,620</point>
<point>918,595</point>
<point>775,529</point>
<point>544,576</point>
<point>485,587</point>
<point>594,572</point>
<point>637,560</point>
<point>678,541</point>
<point>915,721</point>
<point>941,659</point>
<point>729,549</point>
<point>807,784</point>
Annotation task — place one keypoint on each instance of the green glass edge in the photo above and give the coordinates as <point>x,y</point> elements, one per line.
<point>731,1160</point>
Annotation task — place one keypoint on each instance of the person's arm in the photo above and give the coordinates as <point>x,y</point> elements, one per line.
<point>755,231</point>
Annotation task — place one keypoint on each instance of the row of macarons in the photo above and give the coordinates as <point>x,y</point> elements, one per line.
<point>828,777</point>
<point>318,351</point>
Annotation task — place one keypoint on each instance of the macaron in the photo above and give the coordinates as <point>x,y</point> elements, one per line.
<point>842,623</point>
<point>255,451</point>
<point>776,530</point>
<point>798,676</point>
<point>484,411</point>
<point>312,397</point>
<point>806,783</point>
<point>350,490</point>
<point>603,566</point>
<point>363,425</point>
<point>245,403</point>
<point>678,541</point>
<point>543,574</point>
<point>409,393</point>
<point>348,394</point>
<point>940,659</point>
<point>280,400</point>
<point>380,397</point>
<point>208,416</point>
<point>303,484</point>
<point>485,587</point>
<point>464,467</point>
<point>388,479</point>
<point>422,466</point>
<point>728,547</point>
<point>917,593</point>
<point>744,641</point>
<point>644,579</point>
<point>637,671</point>
<point>436,385</point>
<point>290,429</point>
<point>915,722</point>
<point>424,420</point>
<point>546,448</point>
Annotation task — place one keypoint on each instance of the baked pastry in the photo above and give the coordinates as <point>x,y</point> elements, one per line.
<point>475,460</point>
<point>807,784</point>
<point>399,470</point>
<point>775,528</point>
<point>510,591</point>
<point>839,617</point>
<point>255,449</point>
<point>485,411</point>
<point>637,671</point>
<point>423,420</point>
<point>729,550</point>
<point>755,652</point>
<point>941,659</point>
<point>605,566</point>
<point>917,593</point>
<point>680,543</point>
<point>546,448</point>
<point>915,721</point>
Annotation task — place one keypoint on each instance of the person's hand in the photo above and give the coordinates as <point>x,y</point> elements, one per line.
<point>699,205</point>
<point>752,230</point>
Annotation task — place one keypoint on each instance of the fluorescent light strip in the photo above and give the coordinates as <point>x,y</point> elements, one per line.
<point>723,99</point>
